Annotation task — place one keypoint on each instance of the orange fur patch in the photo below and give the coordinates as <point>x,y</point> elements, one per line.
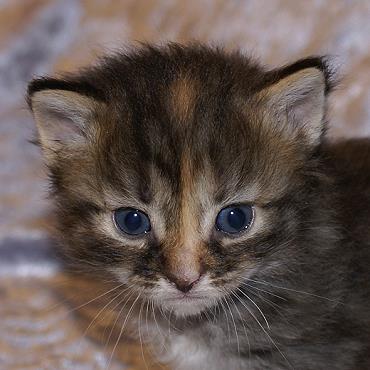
<point>184,255</point>
<point>183,93</point>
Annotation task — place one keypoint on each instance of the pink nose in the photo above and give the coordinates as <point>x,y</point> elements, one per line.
<point>182,284</point>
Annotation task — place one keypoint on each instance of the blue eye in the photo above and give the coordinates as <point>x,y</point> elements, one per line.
<point>131,221</point>
<point>234,219</point>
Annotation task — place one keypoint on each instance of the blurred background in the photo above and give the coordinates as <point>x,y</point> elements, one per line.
<point>40,37</point>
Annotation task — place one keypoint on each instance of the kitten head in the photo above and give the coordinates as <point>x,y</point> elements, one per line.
<point>184,171</point>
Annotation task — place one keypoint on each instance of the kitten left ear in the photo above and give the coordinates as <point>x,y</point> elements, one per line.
<point>63,118</point>
<point>298,102</point>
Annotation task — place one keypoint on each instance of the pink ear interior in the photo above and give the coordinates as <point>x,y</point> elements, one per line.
<point>62,117</point>
<point>299,101</point>
<point>56,126</point>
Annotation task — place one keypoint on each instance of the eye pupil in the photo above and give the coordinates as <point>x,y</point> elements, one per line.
<point>234,219</point>
<point>131,221</point>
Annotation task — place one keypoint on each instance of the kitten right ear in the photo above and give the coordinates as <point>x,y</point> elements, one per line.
<point>63,118</point>
<point>297,98</point>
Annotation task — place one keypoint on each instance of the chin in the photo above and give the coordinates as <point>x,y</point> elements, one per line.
<point>187,306</point>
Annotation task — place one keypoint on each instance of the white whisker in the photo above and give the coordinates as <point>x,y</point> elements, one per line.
<point>294,290</point>
<point>94,299</point>
<point>156,323</point>
<point>263,290</point>
<point>245,330</point>
<point>122,329</point>
<point>263,329</point>
<point>235,328</point>
<point>227,320</point>
<point>255,304</point>
<point>140,336</point>
<point>99,313</point>
<point>125,300</point>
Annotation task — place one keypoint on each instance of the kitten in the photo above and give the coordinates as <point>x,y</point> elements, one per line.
<point>202,183</point>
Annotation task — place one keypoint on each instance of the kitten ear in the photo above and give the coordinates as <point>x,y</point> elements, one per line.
<point>298,101</point>
<point>63,118</point>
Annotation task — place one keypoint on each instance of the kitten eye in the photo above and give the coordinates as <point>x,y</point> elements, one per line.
<point>131,221</point>
<point>235,219</point>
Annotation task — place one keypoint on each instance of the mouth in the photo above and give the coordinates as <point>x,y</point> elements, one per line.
<point>185,298</point>
<point>186,304</point>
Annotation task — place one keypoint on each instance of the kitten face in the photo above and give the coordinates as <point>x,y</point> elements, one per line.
<point>181,134</point>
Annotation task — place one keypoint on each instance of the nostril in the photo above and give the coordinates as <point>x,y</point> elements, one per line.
<point>184,285</point>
